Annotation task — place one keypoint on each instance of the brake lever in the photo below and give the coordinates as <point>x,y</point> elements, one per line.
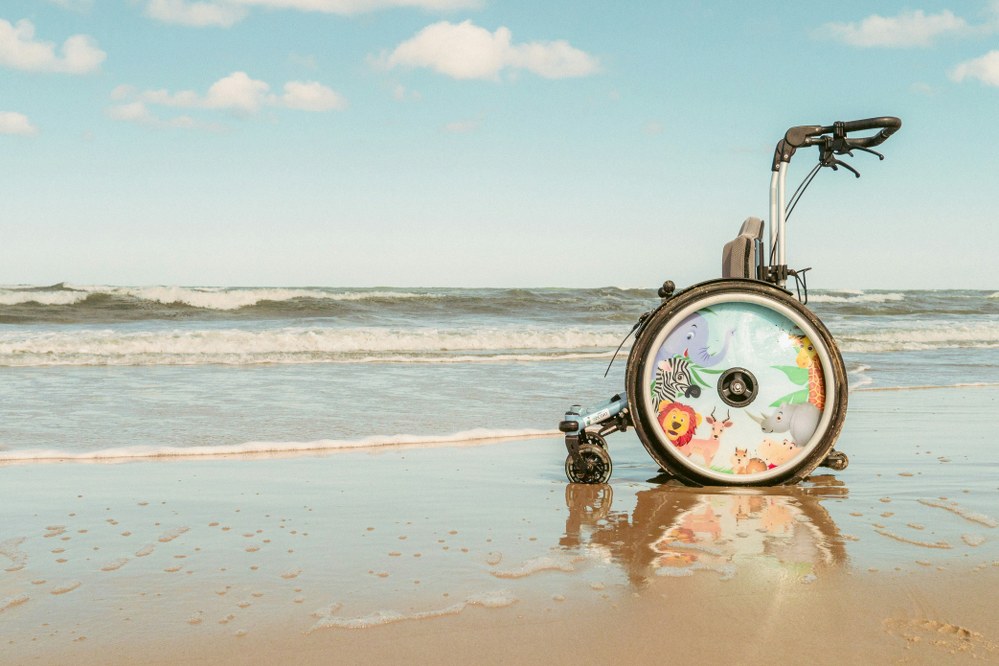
<point>872,152</point>
<point>835,164</point>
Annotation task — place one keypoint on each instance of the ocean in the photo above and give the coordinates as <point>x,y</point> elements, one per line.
<point>106,372</point>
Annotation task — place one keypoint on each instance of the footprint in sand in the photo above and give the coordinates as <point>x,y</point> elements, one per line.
<point>170,535</point>
<point>943,635</point>
<point>115,565</point>
<point>68,587</point>
<point>10,602</point>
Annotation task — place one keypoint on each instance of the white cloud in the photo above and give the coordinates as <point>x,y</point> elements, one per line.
<point>20,50</point>
<point>139,114</point>
<point>224,13</point>
<point>985,69</point>
<point>238,93</point>
<point>908,29</point>
<point>348,7</point>
<point>16,123</point>
<point>552,60</point>
<point>311,96</point>
<point>195,14</point>
<point>466,51</point>
<point>74,5</point>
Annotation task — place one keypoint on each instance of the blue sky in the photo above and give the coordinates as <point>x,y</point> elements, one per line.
<point>486,142</point>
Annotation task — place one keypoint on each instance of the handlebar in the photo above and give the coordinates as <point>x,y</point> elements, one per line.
<point>835,136</point>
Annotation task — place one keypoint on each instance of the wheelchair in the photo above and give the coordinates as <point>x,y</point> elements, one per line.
<point>735,381</point>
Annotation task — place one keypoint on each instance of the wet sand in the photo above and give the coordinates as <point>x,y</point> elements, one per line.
<point>484,554</point>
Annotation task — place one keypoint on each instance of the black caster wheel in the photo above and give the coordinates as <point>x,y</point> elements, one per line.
<point>836,461</point>
<point>594,465</point>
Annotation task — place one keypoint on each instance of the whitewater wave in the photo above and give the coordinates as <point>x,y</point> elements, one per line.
<point>474,437</point>
<point>943,335</point>
<point>207,298</point>
<point>852,297</point>
<point>299,345</point>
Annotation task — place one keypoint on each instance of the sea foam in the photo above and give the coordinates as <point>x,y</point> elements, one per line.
<point>473,437</point>
<point>329,620</point>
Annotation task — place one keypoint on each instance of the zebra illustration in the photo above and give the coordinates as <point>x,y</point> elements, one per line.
<point>673,379</point>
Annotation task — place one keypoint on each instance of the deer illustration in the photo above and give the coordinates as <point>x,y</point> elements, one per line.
<point>708,448</point>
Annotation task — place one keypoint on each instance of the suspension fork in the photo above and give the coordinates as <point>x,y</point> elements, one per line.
<point>609,417</point>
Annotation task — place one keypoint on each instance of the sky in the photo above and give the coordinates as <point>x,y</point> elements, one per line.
<point>468,143</point>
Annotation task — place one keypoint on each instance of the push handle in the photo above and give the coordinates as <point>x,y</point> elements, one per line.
<point>835,135</point>
<point>805,135</point>
<point>887,124</point>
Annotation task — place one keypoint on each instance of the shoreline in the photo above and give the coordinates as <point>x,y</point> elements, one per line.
<point>485,554</point>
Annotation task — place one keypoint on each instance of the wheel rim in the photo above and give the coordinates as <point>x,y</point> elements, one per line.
<point>739,388</point>
<point>594,465</point>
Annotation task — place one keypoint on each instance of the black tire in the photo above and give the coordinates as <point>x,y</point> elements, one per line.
<point>761,325</point>
<point>594,467</point>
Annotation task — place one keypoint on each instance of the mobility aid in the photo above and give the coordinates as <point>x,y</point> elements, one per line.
<point>735,381</point>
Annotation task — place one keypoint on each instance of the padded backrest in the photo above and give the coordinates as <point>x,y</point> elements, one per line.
<point>739,256</point>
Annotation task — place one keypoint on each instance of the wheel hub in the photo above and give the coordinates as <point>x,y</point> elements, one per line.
<point>737,387</point>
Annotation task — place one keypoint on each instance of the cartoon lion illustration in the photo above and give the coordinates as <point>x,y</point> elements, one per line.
<point>678,422</point>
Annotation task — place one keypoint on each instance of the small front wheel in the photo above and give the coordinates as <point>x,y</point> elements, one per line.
<point>836,461</point>
<point>592,466</point>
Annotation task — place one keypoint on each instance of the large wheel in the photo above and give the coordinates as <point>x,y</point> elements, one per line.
<point>734,382</point>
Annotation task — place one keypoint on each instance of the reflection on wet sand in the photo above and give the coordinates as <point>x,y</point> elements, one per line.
<point>679,531</point>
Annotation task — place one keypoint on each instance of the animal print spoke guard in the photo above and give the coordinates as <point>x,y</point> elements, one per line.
<point>698,426</point>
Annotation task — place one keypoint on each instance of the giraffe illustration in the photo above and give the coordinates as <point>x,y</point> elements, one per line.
<point>808,358</point>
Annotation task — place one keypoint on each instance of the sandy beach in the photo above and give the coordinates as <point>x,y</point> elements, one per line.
<point>484,554</point>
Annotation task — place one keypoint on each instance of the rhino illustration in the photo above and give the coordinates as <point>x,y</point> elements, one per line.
<point>799,420</point>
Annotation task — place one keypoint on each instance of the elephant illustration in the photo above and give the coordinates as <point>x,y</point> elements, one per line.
<point>690,339</point>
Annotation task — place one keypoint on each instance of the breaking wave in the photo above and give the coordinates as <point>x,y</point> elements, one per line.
<point>943,335</point>
<point>231,346</point>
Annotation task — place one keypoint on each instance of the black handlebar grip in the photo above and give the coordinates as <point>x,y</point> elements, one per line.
<point>889,126</point>
<point>800,135</point>
<point>887,123</point>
